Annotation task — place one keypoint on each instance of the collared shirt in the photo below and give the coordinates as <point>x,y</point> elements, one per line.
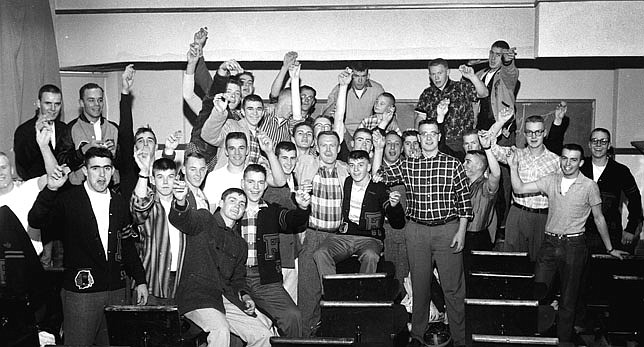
<point>358,106</point>
<point>460,116</point>
<point>437,187</point>
<point>372,122</point>
<point>482,204</point>
<point>249,231</point>
<point>355,202</point>
<point>277,129</point>
<point>568,213</point>
<point>101,207</point>
<point>530,169</point>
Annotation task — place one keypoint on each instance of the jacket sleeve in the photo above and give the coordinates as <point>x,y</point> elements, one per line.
<point>140,208</point>
<point>66,152</point>
<point>128,169</point>
<point>26,154</point>
<point>395,215</point>
<point>46,212</point>
<point>293,221</point>
<point>131,260</point>
<point>554,141</point>
<point>203,80</point>
<point>632,192</point>
<point>188,220</point>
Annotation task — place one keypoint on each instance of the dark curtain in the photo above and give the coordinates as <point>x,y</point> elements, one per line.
<point>28,60</point>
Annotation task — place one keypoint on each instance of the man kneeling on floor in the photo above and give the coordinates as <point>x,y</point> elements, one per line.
<point>364,206</point>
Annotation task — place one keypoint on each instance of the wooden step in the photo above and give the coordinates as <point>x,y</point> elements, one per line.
<point>480,340</point>
<point>311,341</point>
<point>359,287</point>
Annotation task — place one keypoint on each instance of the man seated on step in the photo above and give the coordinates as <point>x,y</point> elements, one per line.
<point>364,206</point>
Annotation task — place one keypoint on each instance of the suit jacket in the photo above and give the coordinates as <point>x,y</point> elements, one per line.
<point>87,268</point>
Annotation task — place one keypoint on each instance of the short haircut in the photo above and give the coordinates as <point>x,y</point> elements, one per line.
<point>480,154</point>
<point>501,44</point>
<point>362,130</point>
<point>229,191</point>
<point>254,168</point>
<point>247,73</point>
<point>142,130</point>
<point>302,124</point>
<point>285,146</point>
<point>48,88</point>
<point>359,154</point>
<point>393,132</point>
<point>534,119</point>
<point>307,87</point>
<point>331,119</point>
<point>87,86</point>
<point>389,96</point>
<point>410,132</point>
<point>438,61</point>
<point>195,155</point>
<point>359,66</point>
<point>234,80</point>
<point>471,131</point>
<point>98,152</point>
<point>252,97</point>
<point>235,135</point>
<point>428,122</point>
<point>601,130</point>
<point>163,164</point>
<point>329,133</point>
<point>574,147</point>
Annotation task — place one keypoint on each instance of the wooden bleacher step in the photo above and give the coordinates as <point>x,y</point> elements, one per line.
<point>311,341</point>
<point>490,285</point>
<point>479,340</point>
<point>358,287</point>
<point>502,317</point>
<point>502,262</point>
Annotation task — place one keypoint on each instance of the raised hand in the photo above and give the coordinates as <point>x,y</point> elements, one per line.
<point>143,159</point>
<point>172,142</point>
<point>230,67</point>
<point>265,142</point>
<point>294,70</point>
<point>290,58</point>
<point>467,71</point>
<point>43,136</point>
<point>193,53</point>
<point>511,158</point>
<point>441,110</point>
<point>510,54</point>
<point>127,79</point>
<point>58,177</point>
<point>378,140</point>
<point>388,115</point>
<point>344,78</point>
<point>179,190</point>
<point>201,36</point>
<point>394,198</point>
<point>220,103</point>
<point>505,114</point>
<point>303,199</point>
<point>484,138</point>
<point>560,111</point>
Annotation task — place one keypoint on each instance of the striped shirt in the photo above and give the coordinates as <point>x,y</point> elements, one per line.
<point>531,168</point>
<point>437,187</point>
<point>276,128</point>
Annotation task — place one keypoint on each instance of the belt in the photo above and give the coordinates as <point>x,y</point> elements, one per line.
<point>252,267</point>
<point>330,231</point>
<point>533,210</point>
<point>561,236</point>
<point>432,223</point>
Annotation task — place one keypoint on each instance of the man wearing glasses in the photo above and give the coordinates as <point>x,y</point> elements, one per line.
<point>526,221</point>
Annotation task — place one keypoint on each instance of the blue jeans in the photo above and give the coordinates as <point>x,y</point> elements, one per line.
<point>566,257</point>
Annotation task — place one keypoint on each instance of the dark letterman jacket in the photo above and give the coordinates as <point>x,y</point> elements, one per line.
<point>87,270</point>
<point>271,221</point>
<point>372,215</point>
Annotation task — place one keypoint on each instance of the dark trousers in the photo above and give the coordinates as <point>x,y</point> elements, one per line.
<point>273,300</point>
<point>567,258</point>
<point>84,318</point>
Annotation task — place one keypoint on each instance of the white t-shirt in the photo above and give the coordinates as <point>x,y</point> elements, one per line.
<point>355,204</point>
<point>101,207</point>
<point>174,235</point>
<point>20,200</point>
<point>597,171</point>
<point>566,183</point>
<point>217,182</point>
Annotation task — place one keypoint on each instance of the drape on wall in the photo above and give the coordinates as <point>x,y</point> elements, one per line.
<point>28,60</point>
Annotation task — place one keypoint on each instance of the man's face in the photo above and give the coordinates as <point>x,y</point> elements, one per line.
<point>254,185</point>
<point>359,79</point>
<point>321,124</point>
<point>253,111</point>
<point>570,161</point>
<point>236,151</point>
<point>329,148</point>
<point>495,57</point>
<point>303,137</point>
<point>473,165</point>
<point>195,171</point>
<point>307,98</point>
<point>359,169</point>
<point>381,104</point>
<point>92,102</point>
<point>438,74</point>
<point>534,133</point>
<point>599,144</point>
<point>471,142</point>
<point>163,182</point>
<point>248,85</point>
<point>5,172</point>
<point>362,141</point>
<point>287,160</point>
<point>234,93</point>
<point>49,105</point>
<point>145,140</point>
<point>411,146</point>
<point>393,148</point>
<point>233,206</point>
<point>429,137</point>
<point>99,173</point>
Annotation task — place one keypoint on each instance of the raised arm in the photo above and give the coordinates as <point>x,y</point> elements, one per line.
<point>555,139</point>
<point>296,102</point>
<point>344,78</point>
<point>192,57</point>
<point>212,131</point>
<point>493,164</point>
<point>468,72</point>
<point>276,178</point>
<point>278,82</point>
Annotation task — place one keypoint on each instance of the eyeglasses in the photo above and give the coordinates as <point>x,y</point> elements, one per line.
<point>530,133</point>
<point>307,97</point>
<point>429,134</point>
<point>323,126</point>
<point>598,142</point>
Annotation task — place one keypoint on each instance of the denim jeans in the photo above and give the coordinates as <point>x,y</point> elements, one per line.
<point>566,257</point>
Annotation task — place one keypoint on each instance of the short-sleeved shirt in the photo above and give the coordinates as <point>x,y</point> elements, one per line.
<point>567,214</point>
<point>460,116</point>
<point>483,199</point>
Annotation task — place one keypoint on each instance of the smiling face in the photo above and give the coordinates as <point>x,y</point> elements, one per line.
<point>359,169</point>
<point>194,170</point>
<point>92,103</point>
<point>329,148</point>
<point>253,112</point>
<point>254,185</point>
<point>163,182</point>
<point>49,106</point>
<point>234,93</point>
<point>381,104</point>
<point>287,160</point>
<point>5,172</point>
<point>99,172</point>
<point>599,144</point>
<point>233,206</point>
<point>570,162</point>
<point>236,151</point>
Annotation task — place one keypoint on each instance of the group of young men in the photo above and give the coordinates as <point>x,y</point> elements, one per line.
<point>270,197</point>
